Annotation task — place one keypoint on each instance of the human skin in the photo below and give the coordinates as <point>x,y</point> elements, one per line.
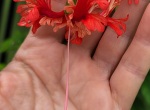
<point>106,72</point>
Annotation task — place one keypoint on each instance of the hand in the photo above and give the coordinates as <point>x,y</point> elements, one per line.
<point>105,72</point>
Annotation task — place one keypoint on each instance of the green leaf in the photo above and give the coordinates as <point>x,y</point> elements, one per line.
<point>17,35</point>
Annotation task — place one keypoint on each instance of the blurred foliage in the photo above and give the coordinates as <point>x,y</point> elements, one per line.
<point>11,37</point>
<point>142,101</point>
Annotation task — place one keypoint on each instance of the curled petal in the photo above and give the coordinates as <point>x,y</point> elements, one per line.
<point>118,25</point>
<point>81,9</point>
<point>33,15</point>
<point>50,21</point>
<point>30,18</point>
<point>78,31</point>
<point>95,22</point>
<point>103,4</point>
<point>82,31</point>
<point>22,8</point>
<point>59,26</point>
<point>25,9</point>
<point>56,21</point>
<point>45,20</point>
<point>44,7</point>
<point>22,22</point>
<point>36,25</point>
<point>37,13</point>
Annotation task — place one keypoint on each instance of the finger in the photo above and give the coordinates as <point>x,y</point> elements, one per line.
<point>133,67</point>
<point>90,42</point>
<point>111,48</point>
<point>47,31</point>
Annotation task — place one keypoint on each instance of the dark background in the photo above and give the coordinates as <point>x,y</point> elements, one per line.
<point>11,36</point>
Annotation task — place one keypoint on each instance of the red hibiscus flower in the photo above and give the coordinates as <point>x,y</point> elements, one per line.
<point>93,17</point>
<point>82,20</point>
<point>35,11</point>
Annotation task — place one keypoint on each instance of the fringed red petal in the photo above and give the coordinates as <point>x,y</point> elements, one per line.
<point>33,15</point>
<point>95,22</point>
<point>36,25</point>
<point>45,9</point>
<point>118,25</point>
<point>29,17</point>
<point>34,10</point>
<point>103,4</point>
<point>81,9</point>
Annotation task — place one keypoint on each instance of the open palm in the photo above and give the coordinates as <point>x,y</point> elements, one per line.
<point>105,72</point>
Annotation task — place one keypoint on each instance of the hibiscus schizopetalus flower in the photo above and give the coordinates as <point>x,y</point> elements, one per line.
<point>94,16</point>
<point>33,11</point>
